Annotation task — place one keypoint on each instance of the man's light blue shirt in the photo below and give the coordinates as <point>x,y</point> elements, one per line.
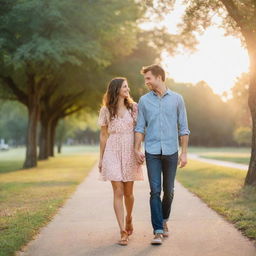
<point>162,120</point>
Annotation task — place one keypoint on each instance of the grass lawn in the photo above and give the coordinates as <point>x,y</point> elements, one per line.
<point>29,198</point>
<point>222,189</point>
<point>13,159</point>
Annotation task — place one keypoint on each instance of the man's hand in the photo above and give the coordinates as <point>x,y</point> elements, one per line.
<point>182,160</point>
<point>140,157</point>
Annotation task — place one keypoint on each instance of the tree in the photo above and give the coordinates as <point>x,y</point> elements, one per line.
<point>66,95</point>
<point>38,38</point>
<point>238,18</point>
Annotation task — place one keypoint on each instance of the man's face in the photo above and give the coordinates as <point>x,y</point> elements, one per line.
<point>151,81</point>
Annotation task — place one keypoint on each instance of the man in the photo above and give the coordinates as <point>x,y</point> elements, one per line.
<point>162,119</point>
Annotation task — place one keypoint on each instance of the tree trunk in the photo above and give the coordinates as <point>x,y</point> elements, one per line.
<point>251,174</point>
<point>31,139</point>
<point>44,139</point>
<point>52,137</point>
<point>59,143</point>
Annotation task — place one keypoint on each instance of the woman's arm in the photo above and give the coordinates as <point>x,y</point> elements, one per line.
<point>103,140</point>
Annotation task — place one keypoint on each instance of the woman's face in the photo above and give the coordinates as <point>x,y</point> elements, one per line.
<point>124,90</point>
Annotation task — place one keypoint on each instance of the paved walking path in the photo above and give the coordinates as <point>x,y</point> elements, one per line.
<point>86,226</point>
<point>218,162</point>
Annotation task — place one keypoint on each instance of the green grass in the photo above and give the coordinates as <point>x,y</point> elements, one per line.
<point>13,159</point>
<point>222,189</point>
<point>29,198</point>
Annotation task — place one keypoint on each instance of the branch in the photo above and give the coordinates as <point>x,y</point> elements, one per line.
<point>48,92</point>
<point>247,32</point>
<point>74,111</point>
<point>21,96</point>
<point>64,114</point>
<point>67,101</point>
<point>233,12</point>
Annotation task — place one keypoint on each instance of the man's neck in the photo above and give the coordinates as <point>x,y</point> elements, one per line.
<point>160,90</point>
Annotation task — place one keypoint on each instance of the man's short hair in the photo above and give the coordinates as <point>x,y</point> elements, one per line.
<point>155,69</point>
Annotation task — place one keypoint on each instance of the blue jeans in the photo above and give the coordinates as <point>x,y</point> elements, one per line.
<point>156,165</point>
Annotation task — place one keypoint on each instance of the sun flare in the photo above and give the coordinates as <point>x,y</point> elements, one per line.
<point>218,61</point>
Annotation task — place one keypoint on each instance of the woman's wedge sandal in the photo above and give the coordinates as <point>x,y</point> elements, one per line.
<point>124,238</point>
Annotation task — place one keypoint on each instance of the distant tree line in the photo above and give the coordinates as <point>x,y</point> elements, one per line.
<point>212,121</point>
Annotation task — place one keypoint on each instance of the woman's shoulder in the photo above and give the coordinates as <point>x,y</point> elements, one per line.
<point>103,116</point>
<point>104,109</point>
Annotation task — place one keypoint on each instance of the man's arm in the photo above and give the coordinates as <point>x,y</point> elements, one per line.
<point>184,149</point>
<point>139,134</point>
<point>183,132</point>
<point>137,147</point>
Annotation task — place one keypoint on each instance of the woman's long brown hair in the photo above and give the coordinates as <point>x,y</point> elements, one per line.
<point>110,98</point>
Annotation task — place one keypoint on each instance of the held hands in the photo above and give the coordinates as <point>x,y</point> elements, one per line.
<point>100,165</point>
<point>140,157</point>
<point>182,160</point>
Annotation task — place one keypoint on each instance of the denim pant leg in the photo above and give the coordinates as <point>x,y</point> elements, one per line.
<point>169,163</point>
<point>154,168</point>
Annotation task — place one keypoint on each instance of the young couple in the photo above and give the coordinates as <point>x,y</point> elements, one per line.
<point>160,120</point>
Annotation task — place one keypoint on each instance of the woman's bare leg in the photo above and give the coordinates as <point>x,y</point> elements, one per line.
<point>128,198</point>
<point>129,202</point>
<point>118,189</point>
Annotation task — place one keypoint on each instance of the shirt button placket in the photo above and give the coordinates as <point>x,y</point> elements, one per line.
<point>161,124</point>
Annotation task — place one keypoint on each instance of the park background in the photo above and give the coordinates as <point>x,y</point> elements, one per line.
<point>56,60</point>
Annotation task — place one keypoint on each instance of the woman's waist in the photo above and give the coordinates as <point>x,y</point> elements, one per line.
<point>121,133</point>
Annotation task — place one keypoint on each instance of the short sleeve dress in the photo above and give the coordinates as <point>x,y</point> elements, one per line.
<point>118,162</point>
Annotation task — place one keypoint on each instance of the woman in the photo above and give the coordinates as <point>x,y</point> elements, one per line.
<point>117,159</point>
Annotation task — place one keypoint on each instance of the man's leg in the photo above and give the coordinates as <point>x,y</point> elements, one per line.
<point>154,168</point>
<point>169,172</point>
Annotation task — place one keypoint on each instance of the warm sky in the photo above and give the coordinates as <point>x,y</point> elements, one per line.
<point>219,60</point>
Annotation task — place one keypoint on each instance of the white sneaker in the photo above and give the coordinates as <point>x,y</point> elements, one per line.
<point>158,239</point>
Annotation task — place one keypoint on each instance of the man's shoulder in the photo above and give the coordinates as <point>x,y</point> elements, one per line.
<point>175,94</point>
<point>145,96</point>
<point>177,97</point>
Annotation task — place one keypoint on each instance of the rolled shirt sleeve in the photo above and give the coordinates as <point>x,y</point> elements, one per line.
<point>141,123</point>
<point>182,117</point>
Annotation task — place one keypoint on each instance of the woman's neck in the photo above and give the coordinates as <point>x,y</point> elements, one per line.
<point>120,103</point>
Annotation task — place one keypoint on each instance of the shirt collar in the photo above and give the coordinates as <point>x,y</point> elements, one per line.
<point>168,91</point>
